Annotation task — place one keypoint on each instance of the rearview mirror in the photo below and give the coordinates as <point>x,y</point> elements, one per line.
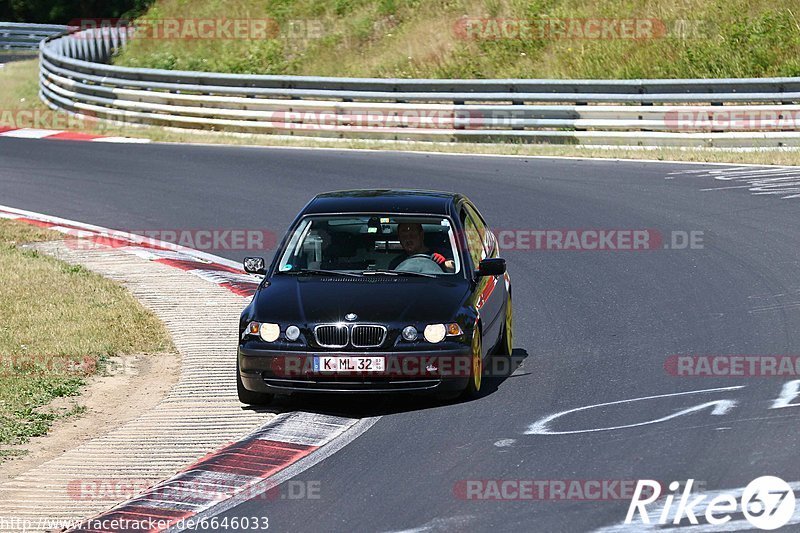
<point>255,265</point>
<point>492,267</point>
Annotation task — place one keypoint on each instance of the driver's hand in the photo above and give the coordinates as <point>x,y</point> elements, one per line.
<point>448,265</point>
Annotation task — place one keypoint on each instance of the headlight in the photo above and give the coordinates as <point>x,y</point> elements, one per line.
<point>437,332</point>
<point>410,333</point>
<point>292,333</point>
<point>270,332</point>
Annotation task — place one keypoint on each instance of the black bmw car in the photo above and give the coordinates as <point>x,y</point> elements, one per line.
<point>377,291</point>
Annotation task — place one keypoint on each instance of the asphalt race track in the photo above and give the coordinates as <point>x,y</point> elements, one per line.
<point>592,327</point>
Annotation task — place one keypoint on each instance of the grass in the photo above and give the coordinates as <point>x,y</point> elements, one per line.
<point>423,38</point>
<point>18,90</point>
<point>60,322</point>
<point>20,106</point>
<point>19,86</point>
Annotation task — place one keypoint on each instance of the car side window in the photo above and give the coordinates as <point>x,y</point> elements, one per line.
<point>474,239</point>
<point>487,237</point>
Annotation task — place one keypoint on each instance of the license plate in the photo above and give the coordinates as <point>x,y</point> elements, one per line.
<point>349,364</point>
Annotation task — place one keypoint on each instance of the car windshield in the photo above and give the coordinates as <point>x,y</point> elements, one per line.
<point>372,244</point>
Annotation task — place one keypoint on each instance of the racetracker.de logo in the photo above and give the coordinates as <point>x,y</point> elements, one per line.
<point>206,239</point>
<point>45,119</point>
<point>46,365</point>
<point>120,489</point>
<point>598,239</point>
<point>186,29</point>
<point>546,28</point>
<point>545,489</point>
<point>733,119</point>
<point>733,366</point>
<point>419,365</point>
<point>349,118</point>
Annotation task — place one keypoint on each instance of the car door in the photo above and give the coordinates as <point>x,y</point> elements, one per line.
<point>491,290</point>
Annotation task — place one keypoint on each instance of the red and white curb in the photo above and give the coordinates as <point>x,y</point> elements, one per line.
<point>242,471</point>
<point>200,412</point>
<point>61,135</point>
<point>211,268</point>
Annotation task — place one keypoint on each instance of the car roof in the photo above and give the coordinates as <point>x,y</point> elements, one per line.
<point>384,201</point>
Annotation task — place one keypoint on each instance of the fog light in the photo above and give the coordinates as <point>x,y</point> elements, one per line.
<point>410,333</point>
<point>292,333</point>
<point>435,333</point>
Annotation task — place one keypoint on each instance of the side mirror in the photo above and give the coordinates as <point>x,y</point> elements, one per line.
<point>492,267</point>
<point>255,265</point>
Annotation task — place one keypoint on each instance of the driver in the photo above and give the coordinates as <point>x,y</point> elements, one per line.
<point>412,239</point>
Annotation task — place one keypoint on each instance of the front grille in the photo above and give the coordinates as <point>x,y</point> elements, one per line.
<point>359,336</point>
<point>367,336</point>
<point>331,336</point>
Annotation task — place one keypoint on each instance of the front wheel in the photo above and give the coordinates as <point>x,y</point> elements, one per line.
<point>506,346</point>
<point>250,397</point>
<point>476,368</point>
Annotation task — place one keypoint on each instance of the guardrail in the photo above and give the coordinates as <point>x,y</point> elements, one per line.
<point>17,36</point>
<point>720,112</point>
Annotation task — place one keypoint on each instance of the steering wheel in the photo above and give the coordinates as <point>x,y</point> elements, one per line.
<point>420,263</point>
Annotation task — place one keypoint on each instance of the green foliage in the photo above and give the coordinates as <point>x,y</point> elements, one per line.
<point>21,402</point>
<point>63,11</point>
<point>342,7</point>
<point>387,7</point>
<point>60,322</point>
<point>419,38</point>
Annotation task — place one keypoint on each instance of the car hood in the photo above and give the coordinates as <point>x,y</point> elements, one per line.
<point>313,300</point>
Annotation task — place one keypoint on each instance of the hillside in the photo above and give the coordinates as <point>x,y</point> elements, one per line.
<point>479,38</point>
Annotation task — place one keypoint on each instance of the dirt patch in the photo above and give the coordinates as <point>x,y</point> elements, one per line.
<point>130,386</point>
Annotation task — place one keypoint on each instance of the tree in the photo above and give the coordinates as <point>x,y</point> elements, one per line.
<point>64,11</point>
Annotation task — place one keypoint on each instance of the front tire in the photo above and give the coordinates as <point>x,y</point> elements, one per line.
<point>250,397</point>
<point>476,368</point>
<point>506,346</point>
